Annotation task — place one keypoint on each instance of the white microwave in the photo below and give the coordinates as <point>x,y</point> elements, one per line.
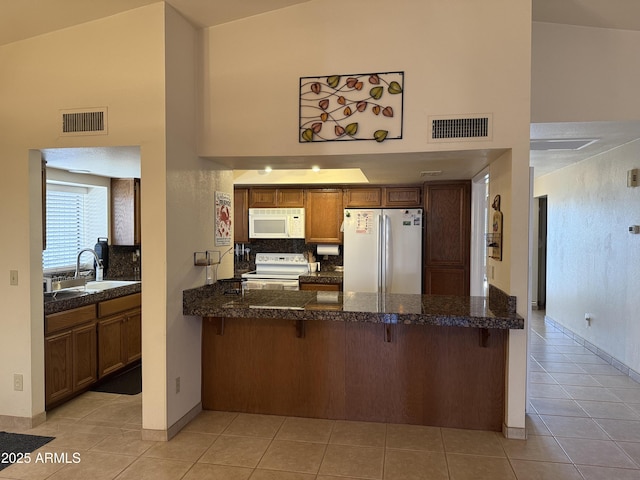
<point>276,223</point>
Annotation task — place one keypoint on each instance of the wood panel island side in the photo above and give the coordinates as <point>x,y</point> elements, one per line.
<point>416,359</point>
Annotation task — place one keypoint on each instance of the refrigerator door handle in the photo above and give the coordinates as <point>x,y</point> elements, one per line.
<point>380,251</point>
<point>388,257</point>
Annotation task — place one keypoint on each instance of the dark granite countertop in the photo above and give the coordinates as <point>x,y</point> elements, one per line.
<point>328,277</point>
<point>441,310</point>
<point>74,298</point>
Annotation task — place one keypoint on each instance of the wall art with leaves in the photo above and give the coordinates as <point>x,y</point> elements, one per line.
<point>365,106</point>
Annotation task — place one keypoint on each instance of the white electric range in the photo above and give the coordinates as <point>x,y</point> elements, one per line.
<point>276,271</point>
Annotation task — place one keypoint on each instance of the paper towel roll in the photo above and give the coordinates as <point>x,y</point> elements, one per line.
<point>328,250</point>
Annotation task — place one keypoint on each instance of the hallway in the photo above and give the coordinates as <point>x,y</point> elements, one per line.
<point>584,424</point>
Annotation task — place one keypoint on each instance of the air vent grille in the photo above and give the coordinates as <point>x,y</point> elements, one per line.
<point>84,122</point>
<point>461,128</point>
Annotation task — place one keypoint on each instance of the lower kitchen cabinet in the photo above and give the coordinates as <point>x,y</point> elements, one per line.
<point>58,360</point>
<point>359,371</point>
<point>85,344</point>
<point>119,341</point>
<point>70,362</point>
<point>85,358</point>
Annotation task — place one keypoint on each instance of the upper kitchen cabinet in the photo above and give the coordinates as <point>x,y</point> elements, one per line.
<point>404,197</point>
<point>125,211</point>
<point>276,197</point>
<point>323,216</point>
<point>363,197</point>
<point>241,215</point>
<point>377,197</point>
<point>447,242</point>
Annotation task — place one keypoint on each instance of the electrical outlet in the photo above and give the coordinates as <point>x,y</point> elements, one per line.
<point>177,384</point>
<point>17,382</point>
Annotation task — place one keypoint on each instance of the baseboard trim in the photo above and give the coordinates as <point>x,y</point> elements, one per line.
<point>173,430</point>
<point>514,433</point>
<point>610,359</point>
<point>22,423</point>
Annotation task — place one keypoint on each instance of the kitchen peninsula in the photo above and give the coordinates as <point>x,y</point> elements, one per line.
<point>418,359</point>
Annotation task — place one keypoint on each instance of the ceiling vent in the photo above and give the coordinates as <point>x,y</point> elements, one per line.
<point>461,128</point>
<point>84,122</point>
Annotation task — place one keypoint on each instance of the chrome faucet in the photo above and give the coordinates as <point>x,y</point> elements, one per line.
<point>98,263</point>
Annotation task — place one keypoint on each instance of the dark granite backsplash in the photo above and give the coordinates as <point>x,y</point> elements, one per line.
<point>124,262</point>
<point>499,300</point>
<point>246,263</point>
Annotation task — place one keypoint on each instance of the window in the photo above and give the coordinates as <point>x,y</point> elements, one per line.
<point>76,217</point>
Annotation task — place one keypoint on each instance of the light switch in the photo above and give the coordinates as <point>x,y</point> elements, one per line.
<point>13,277</point>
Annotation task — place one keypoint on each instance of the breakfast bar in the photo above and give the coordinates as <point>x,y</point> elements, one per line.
<point>398,358</point>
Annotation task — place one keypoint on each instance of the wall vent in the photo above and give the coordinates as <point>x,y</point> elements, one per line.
<point>461,128</point>
<point>84,122</point>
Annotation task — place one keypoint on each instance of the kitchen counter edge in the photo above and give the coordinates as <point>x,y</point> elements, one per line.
<point>437,310</point>
<point>56,306</point>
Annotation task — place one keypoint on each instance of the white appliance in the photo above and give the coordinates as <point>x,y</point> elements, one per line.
<point>276,223</point>
<point>276,271</point>
<point>383,250</point>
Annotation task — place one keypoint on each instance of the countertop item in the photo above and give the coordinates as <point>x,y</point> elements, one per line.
<point>74,298</point>
<point>441,310</point>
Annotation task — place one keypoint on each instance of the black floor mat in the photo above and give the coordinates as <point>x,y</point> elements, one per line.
<point>13,446</point>
<point>128,382</point>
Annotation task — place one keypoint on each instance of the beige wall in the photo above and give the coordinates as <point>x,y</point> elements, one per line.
<point>458,57</point>
<point>190,186</point>
<point>115,62</point>
<point>584,74</point>
<point>592,259</point>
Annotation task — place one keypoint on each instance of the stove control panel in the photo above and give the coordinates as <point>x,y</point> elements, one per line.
<point>280,259</point>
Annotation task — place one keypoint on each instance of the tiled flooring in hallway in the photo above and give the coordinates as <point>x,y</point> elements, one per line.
<point>584,424</point>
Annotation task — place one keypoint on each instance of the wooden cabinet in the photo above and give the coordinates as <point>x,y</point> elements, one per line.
<point>241,215</point>
<point>383,197</point>
<point>276,197</point>
<point>416,374</point>
<point>58,360</point>
<point>323,216</point>
<point>85,358</point>
<point>70,353</point>
<point>290,197</point>
<point>404,197</point>
<point>447,242</point>
<point>84,344</point>
<point>125,211</point>
<point>119,333</point>
<point>363,197</point>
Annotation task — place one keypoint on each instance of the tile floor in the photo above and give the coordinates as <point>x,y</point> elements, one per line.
<point>584,424</point>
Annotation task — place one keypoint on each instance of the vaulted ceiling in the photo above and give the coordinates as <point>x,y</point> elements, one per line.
<point>21,19</point>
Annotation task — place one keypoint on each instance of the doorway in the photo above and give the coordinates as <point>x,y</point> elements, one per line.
<point>479,221</point>
<point>539,280</point>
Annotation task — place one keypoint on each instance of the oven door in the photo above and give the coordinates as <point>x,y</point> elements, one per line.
<point>270,284</point>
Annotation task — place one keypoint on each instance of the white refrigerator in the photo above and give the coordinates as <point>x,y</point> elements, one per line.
<point>382,250</point>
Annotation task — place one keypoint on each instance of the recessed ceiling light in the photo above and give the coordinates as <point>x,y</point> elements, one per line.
<point>267,169</point>
<point>315,168</point>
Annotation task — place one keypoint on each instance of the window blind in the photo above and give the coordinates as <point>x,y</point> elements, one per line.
<point>76,217</point>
